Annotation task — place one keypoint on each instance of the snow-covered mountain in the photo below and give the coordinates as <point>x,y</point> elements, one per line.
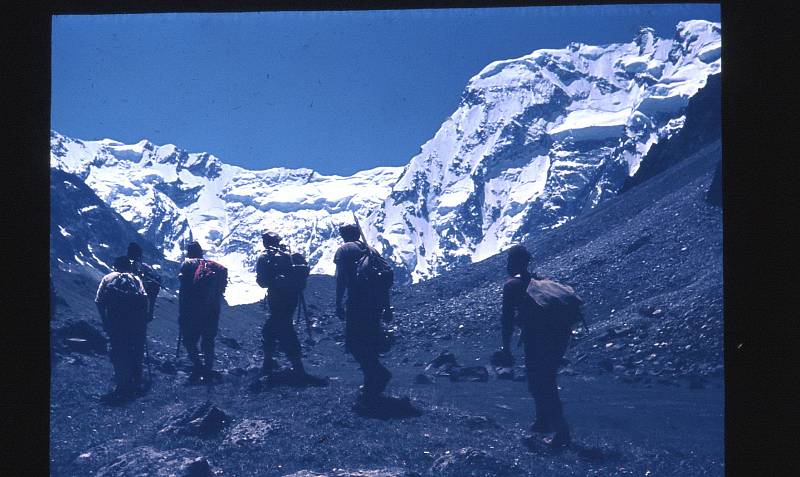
<point>536,141</point>
<point>171,197</point>
<point>539,140</point>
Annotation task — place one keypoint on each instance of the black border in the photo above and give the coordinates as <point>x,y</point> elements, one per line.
<point>757,188</point>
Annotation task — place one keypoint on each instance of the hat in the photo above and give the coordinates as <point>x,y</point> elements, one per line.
<point>519,254</point>
<point>270,238</point>
<point>122,264</point>
<point>350,232</point>
<point>194,250</point>
<point>134,251</point>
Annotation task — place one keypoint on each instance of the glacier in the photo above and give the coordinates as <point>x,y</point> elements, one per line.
<point>535,141</point>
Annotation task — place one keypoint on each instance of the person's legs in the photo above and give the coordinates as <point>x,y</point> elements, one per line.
<point>361,334</point>
<point>116,354</point>
<point>208,337</point>
<point>376,376</point>
<point>191,337</point>
<point>137,355</point>
<point>535,387</point>
<point>553,407</point>
<point>291,344</point>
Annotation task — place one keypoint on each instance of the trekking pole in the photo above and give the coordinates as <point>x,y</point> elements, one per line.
<point>149,364</point>
<point>363,235</point>
<point>305,314</point>
<point>178,348</point>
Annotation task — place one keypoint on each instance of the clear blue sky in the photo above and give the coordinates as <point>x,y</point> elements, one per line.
<point>337,92</point>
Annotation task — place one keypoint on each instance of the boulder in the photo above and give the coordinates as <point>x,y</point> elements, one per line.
<point>445,359</point>
<point>80,336</point>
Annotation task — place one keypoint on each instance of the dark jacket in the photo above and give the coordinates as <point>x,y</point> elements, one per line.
<point>194,303</point>
<point>346,259</point>
<point>545,344</point>
<point>116,317</point>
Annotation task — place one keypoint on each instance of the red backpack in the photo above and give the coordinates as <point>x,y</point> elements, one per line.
<point>209,280</point>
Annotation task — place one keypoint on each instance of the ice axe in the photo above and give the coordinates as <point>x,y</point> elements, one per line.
<point>301,307</point>
<point>149,364</point>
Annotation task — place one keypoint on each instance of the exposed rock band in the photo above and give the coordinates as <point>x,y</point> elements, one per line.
<point>543,309</point>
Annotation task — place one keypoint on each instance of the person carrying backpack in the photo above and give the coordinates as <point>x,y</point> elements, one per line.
<point>284,281</point>
<point>150,278</point>
<point>545,311</point>
<point>122,303</point>
<point>367,303</point>
<point>202,284</point>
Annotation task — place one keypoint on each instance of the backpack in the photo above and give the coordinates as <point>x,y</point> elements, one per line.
<point>124,294</point>
<point>555,306</point>
<point>150,279</point>
<point>275,271</point>
<point>300,271</point>
<point>375,274</point>
<point>206,280</point>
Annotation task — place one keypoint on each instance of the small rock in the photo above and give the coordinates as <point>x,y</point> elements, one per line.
<point>505,373</point>
<point>237,372</point>
<point>81,337</point>
<point>197,468</point>
<point>470,462</point>
<point>204,421</point>
<point>250,432</point>
<point>152,462</point>
<point>444,358</point>
<point>606,364</point>
<point>230,342</point>
<point>167,367</point>
<point>480,422</point>
<point>469,373</point>
<point>422,378</point>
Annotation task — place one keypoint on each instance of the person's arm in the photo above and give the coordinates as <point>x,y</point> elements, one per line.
<point>100,301</point>
<point>261,274</point>
<point>507,315</point>
<point>341,281</point>
<point>184,282</point>
<point>341,286</point>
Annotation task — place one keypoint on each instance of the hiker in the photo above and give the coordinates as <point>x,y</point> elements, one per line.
<point>284,282</point>
<point>202,284</point>
<point>122,303</point>
<point>365,307</point>
<point>544,344</point>
<point>150,278</point>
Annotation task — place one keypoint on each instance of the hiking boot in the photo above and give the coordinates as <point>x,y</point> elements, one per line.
<point>559,440</point>
<point>211,376</point>
<point>196,377</point>
<point>383,381</point>
<point>365,401</point>
<point>311,380</point>
<point>115,397</point>
<point>541,426</point>
<point>269,367</point>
